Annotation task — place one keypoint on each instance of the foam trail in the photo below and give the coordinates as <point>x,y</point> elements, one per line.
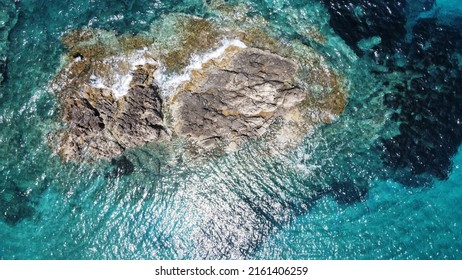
<point>121,81</point>
<point>168,83</point>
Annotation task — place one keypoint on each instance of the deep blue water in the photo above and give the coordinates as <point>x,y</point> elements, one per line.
<point>382,182</point>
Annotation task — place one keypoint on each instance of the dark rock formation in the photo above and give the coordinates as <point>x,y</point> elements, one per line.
<point>8,19</point>
<point>347,192</point>
<point>356,20</point>
<point>3,71</point>
<point>100,125</point>
<point>429,113</point>
<point>15,204</point>
<point>428,103</point>
<point>122,167</point>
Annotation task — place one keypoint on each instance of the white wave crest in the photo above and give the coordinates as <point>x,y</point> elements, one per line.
<point>119,82</point>
<point>169,82</point>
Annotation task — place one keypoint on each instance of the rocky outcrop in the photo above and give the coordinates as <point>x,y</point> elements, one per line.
<point>118,92</point>
<point>99,125</point>
<point>237,97</point>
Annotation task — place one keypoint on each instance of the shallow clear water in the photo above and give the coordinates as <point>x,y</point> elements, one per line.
<point>393,223</point>
<point>397,200</point>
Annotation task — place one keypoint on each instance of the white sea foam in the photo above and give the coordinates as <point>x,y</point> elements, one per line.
<point>168,83</point>
<point>198,60</point>
<point>122,85</point>
<point>96,82</point>
<point>120,80</point>
<point>141,57</point>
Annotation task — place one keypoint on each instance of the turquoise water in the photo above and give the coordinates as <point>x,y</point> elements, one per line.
<point>241,205</point>
<point>393,223</point>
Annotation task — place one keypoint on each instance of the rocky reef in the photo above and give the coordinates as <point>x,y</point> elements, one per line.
<point>214,88</point>
<point>426,100</point>
<point>99,122</point>
<point>8,18</point>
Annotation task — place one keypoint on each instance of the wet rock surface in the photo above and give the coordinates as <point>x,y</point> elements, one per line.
<point>239,99</point>
<point>103,126</point>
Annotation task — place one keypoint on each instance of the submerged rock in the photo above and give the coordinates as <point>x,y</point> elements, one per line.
<point>122,167</point>
<point>15,204</point>
<point>3,71</point>
<point>346,192</point>
<point>8,19</point>
<point>122,92</point>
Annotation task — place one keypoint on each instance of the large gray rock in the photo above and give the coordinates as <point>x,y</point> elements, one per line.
<point>238,97</point>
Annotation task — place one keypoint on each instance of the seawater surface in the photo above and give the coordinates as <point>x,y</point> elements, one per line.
<point>381,182</point>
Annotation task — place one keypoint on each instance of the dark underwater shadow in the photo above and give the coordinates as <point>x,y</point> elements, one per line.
<point>427,106</point>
